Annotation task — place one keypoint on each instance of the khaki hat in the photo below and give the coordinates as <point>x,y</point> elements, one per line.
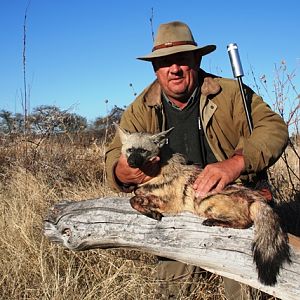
<point>175,37</point>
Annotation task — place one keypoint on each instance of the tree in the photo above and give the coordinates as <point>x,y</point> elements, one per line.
<point>114,116</point>
<point>73,122</point>
<point>6,121</point>
<point>50,119</point>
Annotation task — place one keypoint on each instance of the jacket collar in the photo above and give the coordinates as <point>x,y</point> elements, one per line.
<point>209,86</point>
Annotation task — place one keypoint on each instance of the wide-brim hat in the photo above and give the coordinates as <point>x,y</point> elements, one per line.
<point>175,37</point>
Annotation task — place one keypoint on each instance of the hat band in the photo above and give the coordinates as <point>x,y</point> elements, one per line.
<point>172,44</point>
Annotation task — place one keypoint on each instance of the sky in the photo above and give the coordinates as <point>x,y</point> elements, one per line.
<point>81,55</point>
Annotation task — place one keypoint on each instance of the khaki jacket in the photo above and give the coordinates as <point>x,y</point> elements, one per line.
<point>224,123</point>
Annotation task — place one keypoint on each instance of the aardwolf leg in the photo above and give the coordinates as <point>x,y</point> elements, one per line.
<point>147,205</point>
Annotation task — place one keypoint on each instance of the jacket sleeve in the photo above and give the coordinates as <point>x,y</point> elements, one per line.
<point>269,137</point>
<point>112,155</point>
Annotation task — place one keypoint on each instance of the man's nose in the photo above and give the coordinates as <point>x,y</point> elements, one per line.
<point>174,68</point>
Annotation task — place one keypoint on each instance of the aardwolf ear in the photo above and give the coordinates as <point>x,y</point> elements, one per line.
<point>122,132</point>
<point>161,138</point>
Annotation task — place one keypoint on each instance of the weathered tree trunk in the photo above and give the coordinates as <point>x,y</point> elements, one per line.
<point>111,222</point>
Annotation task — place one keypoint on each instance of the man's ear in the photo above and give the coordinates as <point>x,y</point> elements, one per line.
<point>161,138</point>
<point>123,134</point>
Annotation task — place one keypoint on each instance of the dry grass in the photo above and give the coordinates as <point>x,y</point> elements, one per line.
<point>35,175</point>
<point>31,267</point>
<point>284,175</point>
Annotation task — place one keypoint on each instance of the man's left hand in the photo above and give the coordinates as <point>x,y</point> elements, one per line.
<point>215,177</point>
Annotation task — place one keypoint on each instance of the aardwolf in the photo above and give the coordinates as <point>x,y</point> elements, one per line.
<point>236,206</point>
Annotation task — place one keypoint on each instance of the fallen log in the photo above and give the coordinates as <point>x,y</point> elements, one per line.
<point>112,223</point>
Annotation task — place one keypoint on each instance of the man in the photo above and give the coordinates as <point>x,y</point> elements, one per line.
<point>210,126</point>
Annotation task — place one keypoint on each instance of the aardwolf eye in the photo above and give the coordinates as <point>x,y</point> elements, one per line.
<point>135,150</point>
<point>140,151</point>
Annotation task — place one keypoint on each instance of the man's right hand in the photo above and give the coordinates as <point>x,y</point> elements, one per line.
<point>128,175</point>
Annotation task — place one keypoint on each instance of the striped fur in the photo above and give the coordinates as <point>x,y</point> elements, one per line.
<point>236,206</point>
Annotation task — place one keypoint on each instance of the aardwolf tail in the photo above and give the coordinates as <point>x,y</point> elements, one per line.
<point>270,246</point>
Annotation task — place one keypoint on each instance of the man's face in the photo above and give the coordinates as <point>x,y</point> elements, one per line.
<point>177,74</point>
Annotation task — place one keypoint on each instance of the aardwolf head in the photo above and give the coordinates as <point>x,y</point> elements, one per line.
<point>140,147</point>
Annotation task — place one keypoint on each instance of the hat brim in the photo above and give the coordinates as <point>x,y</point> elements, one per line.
<point>172,50</point>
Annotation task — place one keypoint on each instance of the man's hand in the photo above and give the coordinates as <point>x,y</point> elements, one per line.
<point>129,175</point>
<point>215,177</point>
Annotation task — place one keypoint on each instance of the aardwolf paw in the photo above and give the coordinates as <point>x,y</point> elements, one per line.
<point>146,206</point>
